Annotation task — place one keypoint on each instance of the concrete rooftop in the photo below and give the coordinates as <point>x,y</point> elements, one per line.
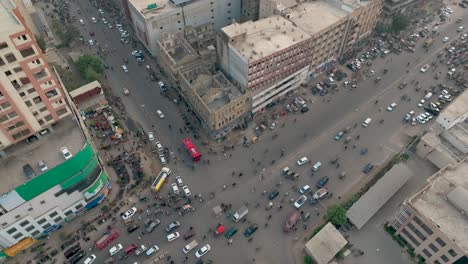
<point>265,37</point>
<point>8,21</point>
<point>325,244</point>
<point>47,148</point>
<point>162,6</point>
<point>440,201</point>
<point>455,109</point>
<point>313,17</point>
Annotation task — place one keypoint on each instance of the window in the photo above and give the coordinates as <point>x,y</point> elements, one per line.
<point>28,103</point>
<point>417,232</point>
<point>416,242</point>
<point>37,99</point>
<point>3,118</point>
<point>69,212</point>
<point>18,69</point>
<point>29,228</point>
<point>434,248</point>
<point>53,214</point>
<point>10,57</point>
<point>5,105</point>
<point>440,242</point>
<point>423,226</point>
<point>8,73</point>
<point>78,206</point>
<point>21,134</point>
<point>51,93</point>
<point>3,45</point>
<point>43,109</point>
<point>17,235</point>
<point>427,253</point>
<point>43,220</point>
<point>452,253</point>
<point>229,4</point>
<point>12,230</point>
<point>35,233</point>
<point>58,219</point>
<point>2,62</point>
<point>27,52</point>
<point>444,258</point>
<point>22,94</point>
<point>47,226</point>
<point>12,114</point>
<point>48,117</point>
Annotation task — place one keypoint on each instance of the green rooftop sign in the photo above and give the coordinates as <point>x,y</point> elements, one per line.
<point>152,6</point>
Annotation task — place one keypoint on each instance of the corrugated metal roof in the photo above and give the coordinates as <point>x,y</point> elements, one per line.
<point>378,195</point>
<point>56,175</point>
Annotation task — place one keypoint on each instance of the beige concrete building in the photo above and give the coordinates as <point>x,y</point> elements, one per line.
<point>31,99</point>
<point>269,57</point>
<point>151,18</point>
<point>433,222</point>
<point>219,105</point>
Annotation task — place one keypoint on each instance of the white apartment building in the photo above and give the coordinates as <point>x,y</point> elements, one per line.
<point>150,18</point>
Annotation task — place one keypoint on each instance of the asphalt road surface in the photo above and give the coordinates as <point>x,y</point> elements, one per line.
<point>311,135</point>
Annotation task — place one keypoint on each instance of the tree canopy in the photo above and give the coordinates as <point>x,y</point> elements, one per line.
<point>90,67</point>
<point>336,214</point>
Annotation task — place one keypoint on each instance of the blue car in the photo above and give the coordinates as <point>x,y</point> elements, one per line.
<point>339,135</point>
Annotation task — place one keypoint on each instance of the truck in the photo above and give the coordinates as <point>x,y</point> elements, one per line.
<point>239,214</point>
<point>428,42</point>
<point>107,239</point>
<point>320,193</point>
<point>289,173</point>
<point>190,246</point>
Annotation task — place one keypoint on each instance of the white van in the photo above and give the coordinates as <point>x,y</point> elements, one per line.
<point>124,68</point>
<point>190,246</point>
<point>366,122</point>
<point>152,250</point>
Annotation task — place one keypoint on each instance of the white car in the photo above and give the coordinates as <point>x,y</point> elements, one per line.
<point>464,36</point>
<point>391,107</point>
<point>186,191</point>
<point>159,146</point>
<point>173,236</point>
<point>162,86</point>
<point>421,103</point>
<point>66,153</point>
<point>90,259</point>
<point>42,166</point>
<point>150,136</point>
<point>202,251</point>
<point>460,29</point>
<point>160,113</point>
<point>424,68</point>
<point>162,159</point>
<point>94,19</point>
<point>110,25</point>
<point>302,161</point>
<point>304,189</point>
<point>152,250</point>
<point>115,249</point>
<point>175,189</point>
<point>124,34</point>
<point>300,201</point>
<point>449,10</point>
<point>130,212</point>
<point>101,12</point>
<point>179,181</point>
<point>81,21</point>
<point>445,40</point>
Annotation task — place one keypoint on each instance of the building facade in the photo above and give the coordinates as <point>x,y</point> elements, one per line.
<point>30,96</point>
<point>249,10</point>
<point>150,18</point>
<point>392,7</point>
<point>433,221</point>
<point>269,57</point>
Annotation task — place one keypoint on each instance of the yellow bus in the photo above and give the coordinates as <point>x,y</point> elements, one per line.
<point>159,181</point>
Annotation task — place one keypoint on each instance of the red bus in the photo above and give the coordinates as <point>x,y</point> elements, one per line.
<point>107,239</point>
<point>196,156</point>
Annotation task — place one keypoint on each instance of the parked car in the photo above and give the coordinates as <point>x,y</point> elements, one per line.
<point>272,195</point>
<point>160,113</point>
<point>202,251</point>
<point>302,161</point>
<point>304,189</point>
<point>322,182</point>
<point>173,236</point>
<point>152,250</point>
<point>391,107</point>
<point>186,190</point>
<point>150,136</point>
<point>339,135</point>
<point>159,146</point>
<point>129,213</point>
<point>90,259</point>
<point>367,168</point>
<point>66,153</point>
<point>151,225</point>
<point>175,189</point>
<point>132,228</point>
<point>300,201</point>
<point>28,171</point>
<point>250,230</point>
<point>231,232</point>
<point>179,181</point>
<point>172,226</point>
<point>115,249</point>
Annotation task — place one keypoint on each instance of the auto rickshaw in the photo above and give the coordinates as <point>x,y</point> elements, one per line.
<point>347,139</point>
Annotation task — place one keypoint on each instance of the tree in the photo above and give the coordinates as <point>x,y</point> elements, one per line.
<point>70,33</point>
<point>90,67</point>
<point>308,259</point>
<point>41,43</point>
<point>399,23</point>
<point>336,214</point>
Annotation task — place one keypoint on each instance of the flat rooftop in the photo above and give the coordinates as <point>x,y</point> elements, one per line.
<point>443,201</point>
<point>149,8</point>
<point>47,148</point>
<point>264,37</point>
<point>215,91</point>
<point>455,109</point>
<point>313,17</point>
<point>324,246</point>
<point>8,20</point>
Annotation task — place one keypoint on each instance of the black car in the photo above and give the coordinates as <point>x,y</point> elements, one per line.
<point>172,226</point>
<point>132,228</point>
<point>250,230</point>
<point>272,195</point>
<point>304,109</point>
<point>78,257</point>
<point>322,182</point>
<point>28,171</point>
<point>368,168</point>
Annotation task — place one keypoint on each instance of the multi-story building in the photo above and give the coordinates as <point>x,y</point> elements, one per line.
<point>335,26</point>
<point>150,18</point>
<point>249,10</point>
<point>269,57</point>
<point>218,104</point>
<point>31,100</point>
<point>433,222</point>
